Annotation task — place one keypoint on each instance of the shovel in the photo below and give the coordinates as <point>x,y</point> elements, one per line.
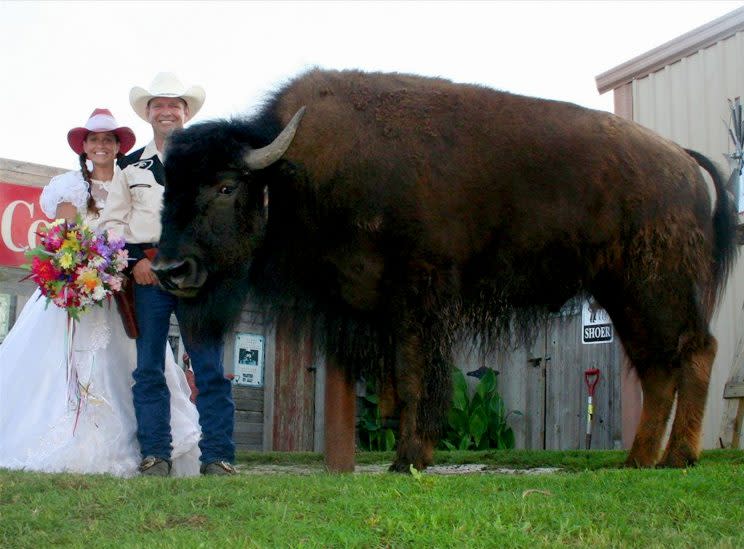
<point>591,377</point>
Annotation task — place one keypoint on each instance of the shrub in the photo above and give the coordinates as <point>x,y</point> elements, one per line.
<point>477,423</point>
<point>473,423</point>
<point>375,432</point>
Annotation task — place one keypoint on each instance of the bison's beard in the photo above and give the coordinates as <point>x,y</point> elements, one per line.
<point>209,315</point>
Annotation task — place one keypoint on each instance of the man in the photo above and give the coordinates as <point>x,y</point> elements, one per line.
<point>133,210</point>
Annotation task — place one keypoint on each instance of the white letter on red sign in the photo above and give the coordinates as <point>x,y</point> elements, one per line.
<point>33,229</point>
<point>6,224</point>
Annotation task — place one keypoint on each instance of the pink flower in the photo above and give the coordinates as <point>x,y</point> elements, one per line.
<point>114,283</point>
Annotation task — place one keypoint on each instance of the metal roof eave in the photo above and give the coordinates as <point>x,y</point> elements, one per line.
<point>674,50</point>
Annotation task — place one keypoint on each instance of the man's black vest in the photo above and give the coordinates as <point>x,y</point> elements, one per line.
<point>152,164</point>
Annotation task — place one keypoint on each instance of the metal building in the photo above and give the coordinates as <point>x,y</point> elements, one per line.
<point>682,90</point>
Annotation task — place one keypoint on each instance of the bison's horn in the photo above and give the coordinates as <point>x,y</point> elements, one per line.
<point>258,159</point>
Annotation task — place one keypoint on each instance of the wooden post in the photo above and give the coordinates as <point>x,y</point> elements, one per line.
<point>736,391</point>
<point>340,420</point>
<point>737,425</point>
<point>733,392</point>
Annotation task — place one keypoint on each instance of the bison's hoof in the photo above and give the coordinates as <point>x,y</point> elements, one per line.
<point>400,467</point>
<point>639,463</point>
<point>677,460</point>
<point>405,467</point>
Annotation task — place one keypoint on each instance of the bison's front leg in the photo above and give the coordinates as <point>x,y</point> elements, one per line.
<point>422,381</point>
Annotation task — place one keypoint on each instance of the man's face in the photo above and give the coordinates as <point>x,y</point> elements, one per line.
<point>166,114</point>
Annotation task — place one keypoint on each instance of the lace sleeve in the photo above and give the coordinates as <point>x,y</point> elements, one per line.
<point>67,187</point>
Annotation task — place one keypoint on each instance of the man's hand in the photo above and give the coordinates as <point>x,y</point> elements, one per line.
<point>143,274</point>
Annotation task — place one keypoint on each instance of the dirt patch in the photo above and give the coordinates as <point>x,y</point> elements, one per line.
<point>465,469</point>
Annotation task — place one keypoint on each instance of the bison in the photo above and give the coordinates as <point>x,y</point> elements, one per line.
<point>403,213</point>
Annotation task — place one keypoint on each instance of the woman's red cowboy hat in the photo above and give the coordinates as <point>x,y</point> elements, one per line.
<point>101,121</point>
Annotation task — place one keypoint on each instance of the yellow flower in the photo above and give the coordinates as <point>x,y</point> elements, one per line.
<point>88,279</point>
<point>66,261</point>
<point>72,242</point>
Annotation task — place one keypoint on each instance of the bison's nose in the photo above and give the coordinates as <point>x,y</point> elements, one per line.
<point>182,277</point>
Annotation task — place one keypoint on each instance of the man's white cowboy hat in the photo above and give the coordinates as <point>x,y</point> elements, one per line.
<point>166,84</point>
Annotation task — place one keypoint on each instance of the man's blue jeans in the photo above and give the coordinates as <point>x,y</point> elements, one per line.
<point>151,396</point>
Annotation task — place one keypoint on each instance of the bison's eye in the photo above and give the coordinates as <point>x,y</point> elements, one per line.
<point>227,189</point>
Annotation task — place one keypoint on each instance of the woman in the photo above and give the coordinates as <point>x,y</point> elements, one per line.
<point>43,425</point>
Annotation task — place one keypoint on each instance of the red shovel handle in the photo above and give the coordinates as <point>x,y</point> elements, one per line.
<point>591,377</point>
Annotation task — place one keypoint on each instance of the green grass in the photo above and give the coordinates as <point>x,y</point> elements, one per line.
<point>587,505</point>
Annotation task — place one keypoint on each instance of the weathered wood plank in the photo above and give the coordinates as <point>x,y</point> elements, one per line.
<point>520,386</point>
<point>729,433</point>
<point>248,398</point>
<point>294,393</point>
<point>545,382</point>
<point>733,390</point>
<point>27,173</point>
<point>249,438</point>
<point>567,397</point>
<point>248,441</point>
<point>522,382</point>
<point>249,417</point>
<point>248,427</point>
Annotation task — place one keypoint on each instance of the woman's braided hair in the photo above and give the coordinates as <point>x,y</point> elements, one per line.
<point>91,204</point>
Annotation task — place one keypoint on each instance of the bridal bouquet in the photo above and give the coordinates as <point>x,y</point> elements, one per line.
<point>76,267</point>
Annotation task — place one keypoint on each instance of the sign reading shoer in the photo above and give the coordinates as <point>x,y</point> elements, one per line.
<point>596,326</point>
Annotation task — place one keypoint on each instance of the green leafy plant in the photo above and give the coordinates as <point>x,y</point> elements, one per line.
<point>478,422</point>
<point>375,433</point>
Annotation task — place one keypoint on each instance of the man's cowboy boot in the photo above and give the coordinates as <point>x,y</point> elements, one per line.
<point>153,466</point>
<point>217,468</point>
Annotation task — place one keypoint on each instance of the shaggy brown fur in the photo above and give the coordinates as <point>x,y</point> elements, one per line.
<point>411,211</point>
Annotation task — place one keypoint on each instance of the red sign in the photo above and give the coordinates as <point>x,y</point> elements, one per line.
<point>20,218</point>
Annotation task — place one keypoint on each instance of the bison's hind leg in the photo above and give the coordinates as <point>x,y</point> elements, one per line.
<point>683,448</point>
<point>658,385</point>
<point>664,331</point>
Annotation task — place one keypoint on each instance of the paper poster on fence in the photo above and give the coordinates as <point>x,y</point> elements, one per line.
<point>249,360</point>
<point>596,326</point>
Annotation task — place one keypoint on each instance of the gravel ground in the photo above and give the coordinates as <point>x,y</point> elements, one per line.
<point>468,469</point>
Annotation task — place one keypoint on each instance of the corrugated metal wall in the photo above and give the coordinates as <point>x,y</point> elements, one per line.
<point>686,101</point>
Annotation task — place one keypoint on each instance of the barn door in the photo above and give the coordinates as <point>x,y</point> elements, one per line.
<point>544,381</point>
<point>565,413</point>
<point>294,393</point>
<point>522,378</point>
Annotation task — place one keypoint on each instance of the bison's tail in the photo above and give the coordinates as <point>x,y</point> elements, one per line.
<point>724,228</point>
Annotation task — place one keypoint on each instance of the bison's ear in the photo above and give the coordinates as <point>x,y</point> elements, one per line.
<point>258,159</point>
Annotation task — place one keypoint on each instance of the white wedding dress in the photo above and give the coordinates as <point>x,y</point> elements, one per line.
<point>46,427</point>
